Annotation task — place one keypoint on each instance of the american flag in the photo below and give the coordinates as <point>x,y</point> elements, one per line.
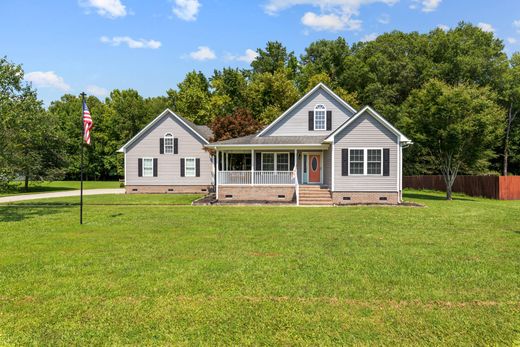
<point>87,123</point>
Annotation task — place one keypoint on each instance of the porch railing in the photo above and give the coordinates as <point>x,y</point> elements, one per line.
<point>256,177</point>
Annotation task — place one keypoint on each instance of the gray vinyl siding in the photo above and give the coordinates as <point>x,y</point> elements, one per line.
<point>327,167</point>
<point>366,132</point>
<point>296,123</point>
<point>190,145</point>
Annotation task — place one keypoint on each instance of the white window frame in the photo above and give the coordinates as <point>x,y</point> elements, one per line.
<point>275,155</point>
<point>168,136</point>
<point>365,161</point>
<point>186,166</point>
<point>144,167</point>
<point>320,108</point>
<point>380,161</point>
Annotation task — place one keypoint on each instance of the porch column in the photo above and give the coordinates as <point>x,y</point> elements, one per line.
<point>216,175</point>
<point>252,167</point>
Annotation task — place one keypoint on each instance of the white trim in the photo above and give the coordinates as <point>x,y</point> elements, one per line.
<point>149,125</point>
<point>317,147</point>
<point>142,169</point>
<point>217,183</point>
<point>323,109</point>
<point>125,168</point>
<point>374,114</point>
<point>319,85</point>
<point>194,166</point>
<point>320,153</point>
<point>365,160</point>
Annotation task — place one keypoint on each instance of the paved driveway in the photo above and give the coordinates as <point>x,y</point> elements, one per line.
<point>23,197</point>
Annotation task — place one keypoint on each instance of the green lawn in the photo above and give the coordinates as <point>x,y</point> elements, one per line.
<point>54,186</point>
<point>446,274</point>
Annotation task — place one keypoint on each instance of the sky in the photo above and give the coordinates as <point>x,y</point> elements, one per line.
<point>70,46</point>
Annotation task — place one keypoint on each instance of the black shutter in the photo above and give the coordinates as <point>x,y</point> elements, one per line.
<point>197,167</point>
<point>182,167</point>
<point>386,162</point>
<point>344,162</point>
<point>154,167</point>
<point>140,167</point>
<point>175,146</point>
<point>258,164</point>
<point>311,120</point>
<point>329,120</point>
<point>161,145</point>
<point>291,161</point>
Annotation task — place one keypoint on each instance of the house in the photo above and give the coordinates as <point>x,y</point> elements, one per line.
<point>168,156</point>
<point>320,151</point>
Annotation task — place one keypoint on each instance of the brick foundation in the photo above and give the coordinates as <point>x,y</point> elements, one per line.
<point>365,198</point>
<point>167,189</point>
<point>256,193</point>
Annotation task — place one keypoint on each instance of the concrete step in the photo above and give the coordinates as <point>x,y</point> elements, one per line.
<point>317,203</point>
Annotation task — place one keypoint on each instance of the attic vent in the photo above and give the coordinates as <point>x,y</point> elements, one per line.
<point>346,198</point>
<point>383,198</point>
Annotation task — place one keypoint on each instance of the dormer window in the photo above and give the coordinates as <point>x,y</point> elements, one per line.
<point>168,143</point>
<point>320,113</point>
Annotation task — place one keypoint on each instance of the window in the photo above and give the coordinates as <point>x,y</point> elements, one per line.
<point>275,162</point>
<point>282,162</point>
<point>320,113</point>
<point>364,161</point>
<point>267,161</point>
<point>189,167</point>
<point>168,144</point>
<point>147,167</point>
<point>373,161</point>
<point>357,162</point>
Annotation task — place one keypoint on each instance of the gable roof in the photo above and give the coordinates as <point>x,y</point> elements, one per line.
<point>302,99</point>
<point>376,116</point>
<point>202,131</point>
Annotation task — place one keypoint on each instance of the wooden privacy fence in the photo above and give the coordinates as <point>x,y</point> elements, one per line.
<point>493,187</point>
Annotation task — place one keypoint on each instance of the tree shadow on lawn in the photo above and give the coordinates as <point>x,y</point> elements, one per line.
<point>20,213</point>
<point>424,196</point>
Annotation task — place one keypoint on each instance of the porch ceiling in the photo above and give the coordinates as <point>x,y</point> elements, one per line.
<point>264,142</point>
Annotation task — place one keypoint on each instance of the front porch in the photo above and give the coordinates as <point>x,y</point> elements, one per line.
<point>271,174</point>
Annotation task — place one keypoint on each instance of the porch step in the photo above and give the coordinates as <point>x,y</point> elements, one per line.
<point>315,195</point>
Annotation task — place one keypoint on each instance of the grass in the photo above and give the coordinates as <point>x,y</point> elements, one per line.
<point>446,274</point>
<point>55,186</point>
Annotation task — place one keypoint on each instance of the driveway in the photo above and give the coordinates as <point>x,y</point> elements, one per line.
<point>22,197</point>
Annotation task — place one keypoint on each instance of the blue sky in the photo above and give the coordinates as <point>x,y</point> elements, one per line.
<point>95,46</point>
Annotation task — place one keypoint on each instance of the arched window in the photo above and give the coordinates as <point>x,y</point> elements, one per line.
<point>168,143</point>
<point>320,117</point>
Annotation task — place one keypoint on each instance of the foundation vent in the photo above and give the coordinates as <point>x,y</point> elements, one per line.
<point>383,198</point>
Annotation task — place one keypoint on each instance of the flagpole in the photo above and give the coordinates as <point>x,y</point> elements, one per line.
<point>82,146</point>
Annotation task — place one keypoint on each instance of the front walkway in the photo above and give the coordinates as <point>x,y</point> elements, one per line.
<point>35,196</point>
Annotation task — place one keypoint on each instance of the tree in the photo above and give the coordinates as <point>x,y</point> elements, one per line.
<point>455,125</point>
<point>511,100</point>
<point>229,91</point>
<point>239,123</point>
<point>274,58</point>
<point>192,100</point>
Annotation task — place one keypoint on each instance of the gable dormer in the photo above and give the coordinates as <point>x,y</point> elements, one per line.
<point>319,112</point>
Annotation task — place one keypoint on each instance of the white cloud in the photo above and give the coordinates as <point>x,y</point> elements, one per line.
<point>248,56</point>
<point>511,40</point>
<point>486,27</point>
<point>516,24</point>
<point>96,90</point>
<point>384,18</point>
<point>106,8</point>
<point>334,15</point>
<point>443,27</point>
<point>203,53</point>
<point>130,42</point>
<point>47,79</point>
<point>186,9</point>
<point>426,5</point>
<point>369,37</point>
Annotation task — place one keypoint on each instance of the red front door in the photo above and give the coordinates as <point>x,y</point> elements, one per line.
<point>314,168</point>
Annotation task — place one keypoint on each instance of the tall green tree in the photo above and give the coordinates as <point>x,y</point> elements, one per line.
<point>511,100</point>
<point>192,99</point>
<point>273,58</point>
<point>454,126</point>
